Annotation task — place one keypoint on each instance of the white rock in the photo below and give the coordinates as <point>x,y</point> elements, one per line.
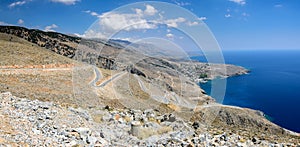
<point>102,141</point>
<point>239,144</point>
<point>106,117</point>
<point>82,131</point>
<point>35,131</point>
<point>71,144</point>
<point>91,140</point>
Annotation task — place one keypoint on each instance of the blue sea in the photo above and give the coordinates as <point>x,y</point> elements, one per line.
<point>273,86</point>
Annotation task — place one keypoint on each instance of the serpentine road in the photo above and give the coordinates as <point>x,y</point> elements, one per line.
<point>99,76</point>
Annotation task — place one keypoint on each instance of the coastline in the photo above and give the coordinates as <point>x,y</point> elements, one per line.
<point>244,123</point>
<point>258,90</point>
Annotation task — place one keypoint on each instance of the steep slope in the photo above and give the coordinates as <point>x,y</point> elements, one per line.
<point>112,56</point>
<point>29,70</point>
<point>17,51</point>
<point>59,43</point>
<point>109,54</point>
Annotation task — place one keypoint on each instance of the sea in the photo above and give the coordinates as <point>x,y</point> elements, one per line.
<point>272,86</point>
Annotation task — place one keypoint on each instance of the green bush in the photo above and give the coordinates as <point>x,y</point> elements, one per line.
<point>203,75</point>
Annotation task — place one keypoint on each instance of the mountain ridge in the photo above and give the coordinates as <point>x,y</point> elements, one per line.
<point>141,78</point>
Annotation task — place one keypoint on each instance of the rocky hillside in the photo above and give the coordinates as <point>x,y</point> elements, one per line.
<point>121,97</point>
<point>112,54</point>
<point>56,42</point>
<point>35,123</point>
<point>59,43</point>
<point>168,75</point>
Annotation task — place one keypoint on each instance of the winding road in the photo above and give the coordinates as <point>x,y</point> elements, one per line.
<point>163,99</point>
<point>141,83</point>
<point>98,76</point>
<point>114,77</point>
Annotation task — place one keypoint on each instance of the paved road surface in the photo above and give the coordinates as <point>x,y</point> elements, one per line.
<point>98,76</point>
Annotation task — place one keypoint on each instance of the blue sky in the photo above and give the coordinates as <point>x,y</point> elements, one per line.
<point>236,24</point>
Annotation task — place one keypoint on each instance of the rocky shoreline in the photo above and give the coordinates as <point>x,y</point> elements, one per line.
<point>36,123</point>
<point>203,72</point>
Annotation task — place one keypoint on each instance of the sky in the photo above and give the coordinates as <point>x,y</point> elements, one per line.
<point>236,24</point>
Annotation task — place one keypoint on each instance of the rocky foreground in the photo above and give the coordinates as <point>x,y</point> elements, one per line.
<point>36,123</point>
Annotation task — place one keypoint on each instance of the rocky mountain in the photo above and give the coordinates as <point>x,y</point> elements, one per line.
<point>95,51</point>
<point>59,43</point>
<point>81,92</point>
<point>144,60</point>
<point>53,41</point>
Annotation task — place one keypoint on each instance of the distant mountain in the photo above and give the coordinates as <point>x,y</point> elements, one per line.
<point>118,54</point>
<point>120,42</point>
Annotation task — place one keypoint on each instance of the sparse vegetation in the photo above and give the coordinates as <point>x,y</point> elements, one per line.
<point>20,52</point>
<point>203,76</point>
<point>60,86</point>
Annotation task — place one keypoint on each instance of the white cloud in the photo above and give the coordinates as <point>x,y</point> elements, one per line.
<point>240,2</point>
<point>138,19</point>
<point>92,13</point>
<point>173,22</point>
<point>189,23</point>
<point>5,24</point>
<point>66,2</point>
<point>139,12</point>
<point>20,21</point>
<point>202,18</point>
<point>79,35</point>
<point>51,28</point>
<point>170,36</point>
<point>194,23</point>
<point>115,21</point>
<point>181,3</point>
<point>124,21</point>
<point>150,10</point>
<point>227,15</point>
<point>92,34</point>
<point>17,3</point>
<point>278,6</point>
